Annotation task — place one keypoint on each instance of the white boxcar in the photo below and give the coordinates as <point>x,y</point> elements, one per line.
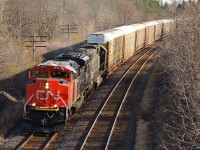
<point>158,29</point>
<point>140,35</point>
<point>167,26</point>
<point>150,31</point>
<point>113,41</point>
<point>129,40</point>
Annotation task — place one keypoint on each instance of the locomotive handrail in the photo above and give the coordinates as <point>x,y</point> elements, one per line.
<point>96,70</point>
<point>102,65</point>
<point>62,100</point>
<point>26,104</point>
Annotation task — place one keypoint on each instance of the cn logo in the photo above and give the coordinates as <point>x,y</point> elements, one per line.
<point>46,95</point>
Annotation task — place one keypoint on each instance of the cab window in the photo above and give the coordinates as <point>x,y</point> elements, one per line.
<point>59,74</point>
<point>39,73</point>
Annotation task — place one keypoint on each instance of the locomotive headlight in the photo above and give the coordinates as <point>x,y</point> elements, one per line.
<point>55,105</point>
<point>47,85</point>
<point>34,104</point>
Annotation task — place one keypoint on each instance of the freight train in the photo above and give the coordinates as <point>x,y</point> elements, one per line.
<point>58,87</point>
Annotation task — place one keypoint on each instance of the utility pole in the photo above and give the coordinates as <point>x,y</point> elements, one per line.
<point>69,29</point>
<point>34,42</point>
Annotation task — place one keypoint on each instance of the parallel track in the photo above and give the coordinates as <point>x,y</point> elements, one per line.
<point>37,142</point>
<point>101,131</point>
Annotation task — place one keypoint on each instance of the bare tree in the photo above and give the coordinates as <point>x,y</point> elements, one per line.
<point>180,66</point>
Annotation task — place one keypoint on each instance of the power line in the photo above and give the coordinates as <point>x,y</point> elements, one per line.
<point>35,41</point>
<point>69,29</point>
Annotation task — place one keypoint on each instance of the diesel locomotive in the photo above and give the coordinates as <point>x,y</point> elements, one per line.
<point>58,87</point>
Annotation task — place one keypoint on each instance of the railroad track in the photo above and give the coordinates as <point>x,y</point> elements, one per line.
<point>37,142</point>
<point>102,129</point>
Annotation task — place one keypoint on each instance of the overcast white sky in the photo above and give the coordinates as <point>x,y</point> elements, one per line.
<point>169,1</point>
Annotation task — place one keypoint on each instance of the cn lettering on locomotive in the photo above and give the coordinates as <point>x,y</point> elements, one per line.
<point>46,95</point>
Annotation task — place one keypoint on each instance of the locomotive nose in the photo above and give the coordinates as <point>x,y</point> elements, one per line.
<point>47,84</point>
<point>51,93</point>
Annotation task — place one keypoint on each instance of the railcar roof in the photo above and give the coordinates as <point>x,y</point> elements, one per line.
<point>150,23</point>
<point>126,29</point>
<point>159,21</point>
<point>138,26</point>
<point>104,36</point>
<point>167,20</point>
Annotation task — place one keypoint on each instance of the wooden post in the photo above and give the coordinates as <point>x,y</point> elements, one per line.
<point>34,49</point>
<point>69,34</point>
<point>69,28</point>
<point>35,41</point>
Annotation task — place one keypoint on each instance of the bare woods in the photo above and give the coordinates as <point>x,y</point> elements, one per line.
<point>19,18</point>
<point>180,92</point>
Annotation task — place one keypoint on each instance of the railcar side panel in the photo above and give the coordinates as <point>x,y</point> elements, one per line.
<point>158,31</point>
<point>129,40</point>
<point>150,30</point>
<point>167,26</point>
<point>140,39</point>
<point>153,31</point>
<point>140,36</point>
<point>115,52</point>
<point>129,45</point>
<point>166,29</point>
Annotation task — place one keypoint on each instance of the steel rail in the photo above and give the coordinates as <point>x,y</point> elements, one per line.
<point>125,96</point>
<point>49,142</point>
<point>46,143</point>
<point>24,143</point>
<point>92,127</point>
